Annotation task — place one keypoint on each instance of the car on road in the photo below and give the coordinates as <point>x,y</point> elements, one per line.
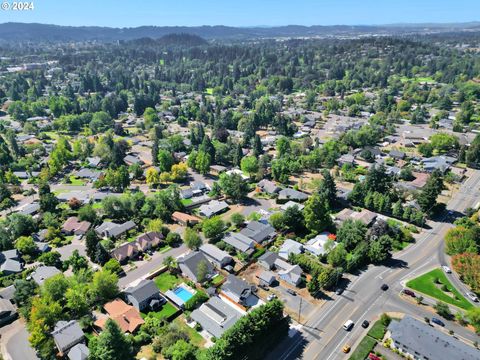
<point>271,297</point>
<point>346,348</point>
<point>372,356</point>
<point>437,321</point>
<point>339,291</point>
<point>408,292</point>
<point>365,324</point>
<point>384,287</point>
<point>472,296</point>
<point>446,269</point>
<point>291,292</point>
<point>348,325</point>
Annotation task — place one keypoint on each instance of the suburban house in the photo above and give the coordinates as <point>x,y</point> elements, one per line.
<point>292,194</point>
<point>185,219</point>
<point>292,274</point>
<point>126,316</point>
<point>216,170</point>
<point>268,187</point>
<point>189,265</point>
<point>73,226</point>
<point>148,240</point>
<point>89,174</point>
<point>365,216</point>
<point>112,230</point>
<point>267,260</point>
<point>291,203</point>
<point>320,244</point>
<point>67,334</point>
<point>240,242</point>
<point>346,159</point>
<point>124,252</point>
<point>236,289</point>
<point>216,316</point>
<point>290,247</point>
<point>7,312</point>
<point>43,273</point>
<point>417,340</point>
<point>259,231</point>
<point>214,207</point>
<point>266,277</point>
<point>10,262</point>
<point>79,352</point>
<point>8,293</point>
<point>144,296</point>
<point>216,256</point>
<point>397,154</point>
<point>441,163</point>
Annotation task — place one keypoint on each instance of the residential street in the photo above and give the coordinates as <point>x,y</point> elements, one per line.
<point>15,345</point>
<point>322,337</point>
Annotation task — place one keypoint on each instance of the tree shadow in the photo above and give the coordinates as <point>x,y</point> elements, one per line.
<point>396,263</point>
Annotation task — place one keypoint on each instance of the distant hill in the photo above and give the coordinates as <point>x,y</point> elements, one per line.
<point>42,32</point>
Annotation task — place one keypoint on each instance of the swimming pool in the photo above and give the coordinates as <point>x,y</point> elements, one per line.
<point>183,293</point>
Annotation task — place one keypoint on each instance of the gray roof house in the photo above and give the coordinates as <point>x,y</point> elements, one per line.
<point>218,257</point>
<point>7,312</point>
<point>110,229</point>
<point>236,289</point>
<point>7,293</point>
<point>268,186</point>
<point>144,296</point>
<point>441,163</point>
<point>266,277</point>
<point>267,260</point>
<point>43,273</point>
<point>397,154</point>
<point>11,266</point>
<point>292,194</point>
<point>216,316</point>
<point>258,231</point>
<point>189,265</point>
<point>214,207</point>
<point>290,247</point>
<point>292,274</point>
<point>79,352</point>
<point>67,334</point>
<point>420,341</point>
<point>240,242</point>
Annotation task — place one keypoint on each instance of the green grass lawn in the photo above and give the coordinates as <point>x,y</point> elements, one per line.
<point>186,202</point>
<point>76,181</point>
<point>97,206</point>
<point>425,284</point>
<point>218,279</point>
<point>363,349</point>
<point>166,281</point>
<point>377,331</point>
<point>167,310</point>
<point>195,337</point>
<point>209,91</point>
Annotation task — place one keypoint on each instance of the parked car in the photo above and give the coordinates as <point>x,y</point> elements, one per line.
<point>472,296</point>
<point>346,348</point>
<point>384,287</point>
<point>372,356</point>
<point>437,321</point>
<point>348,325</point>
<point>408,292</point>
<point>271,297</point>
<point>365,324</point>
<point>291,292</point>
<point>339,291</point>
<point>446,269</point>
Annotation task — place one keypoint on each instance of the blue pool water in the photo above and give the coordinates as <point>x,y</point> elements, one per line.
<point>183,294</point>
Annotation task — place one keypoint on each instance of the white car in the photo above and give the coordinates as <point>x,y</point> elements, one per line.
<point>446,269</point>
<point>271,297</point>
<point>472,296</point>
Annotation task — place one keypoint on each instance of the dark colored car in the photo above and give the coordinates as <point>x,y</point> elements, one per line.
<point>437,321</point>
<point>291,292</point>
<point>384,287</point>
<point>365,324</point>
<point>408,292</point>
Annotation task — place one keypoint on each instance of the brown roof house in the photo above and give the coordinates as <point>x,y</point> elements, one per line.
<point>72,226</point>
<point>125,252</point>
<point>185,219</point>
<point>149,240</point>
<point>126,316</point>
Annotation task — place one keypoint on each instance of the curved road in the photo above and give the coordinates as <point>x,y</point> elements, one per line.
<point>322,337</point>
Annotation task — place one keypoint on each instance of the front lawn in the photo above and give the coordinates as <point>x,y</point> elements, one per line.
<point>76,181</point>
<point>377,331</point>
<point>166,281</point>
<point>186,202</point>
<point>363,349</point>
<point>426,285</point>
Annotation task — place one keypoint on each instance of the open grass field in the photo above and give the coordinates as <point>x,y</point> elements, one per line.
<point>363,349</point>
<point>377,331</point>
<point>426,285</point>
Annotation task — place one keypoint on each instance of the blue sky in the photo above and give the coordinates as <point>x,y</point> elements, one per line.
<point>121,13</point>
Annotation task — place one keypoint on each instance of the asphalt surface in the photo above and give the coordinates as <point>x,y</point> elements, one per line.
<point>322,336</point>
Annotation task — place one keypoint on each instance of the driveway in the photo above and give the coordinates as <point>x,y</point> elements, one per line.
<point>14,344</point>
<point>295,303</point>
<point>67,250</point>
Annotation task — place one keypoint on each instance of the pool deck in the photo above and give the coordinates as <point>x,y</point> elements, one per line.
<point>172,296</point>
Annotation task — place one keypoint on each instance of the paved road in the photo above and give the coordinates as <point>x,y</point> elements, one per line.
<point>14,342</point>
<point>150,266</point>
<point>322,337</point>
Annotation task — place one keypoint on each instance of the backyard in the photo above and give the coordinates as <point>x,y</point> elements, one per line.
<point>436,284</point>
<point>167,281</point>
<point>167,311</point>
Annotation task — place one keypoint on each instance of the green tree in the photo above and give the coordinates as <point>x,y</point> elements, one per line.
<point>473,316</point>
<point>181,350</point>
<point>104,287</point>
<point>212,228</point>
<point>237,219</point>
<point>202,271</point>
<point>202,162</point>
<point>317,213</point>
<point>192,239</point>
<point>443,310</point>
<point>351,233</point>
<point>249,164</point>
<point>165,160</point>
<point>233,186</point>
<point>111,344</point>
<point>26,245</point>
<point>427,198</point>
